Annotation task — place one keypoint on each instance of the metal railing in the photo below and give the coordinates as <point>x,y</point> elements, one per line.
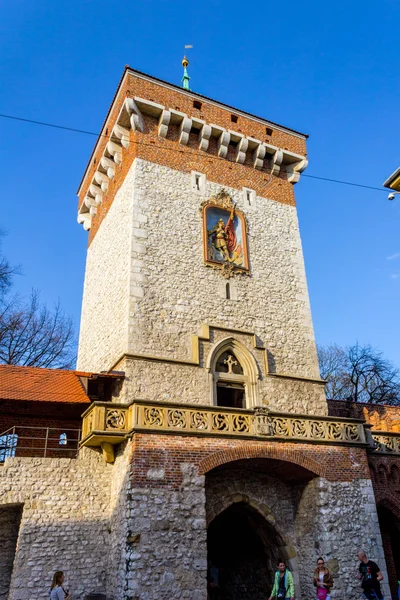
<point>40,442</point>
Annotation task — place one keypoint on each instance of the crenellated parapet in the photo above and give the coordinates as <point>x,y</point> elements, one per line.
<point>248,150</point>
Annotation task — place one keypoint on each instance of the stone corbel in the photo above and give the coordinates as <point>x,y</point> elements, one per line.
<point>85,220</point>
<point>163,123</point>
<point>184,130</point>
<point>223,143</point>
<point>115,151</point>
<point>97,193</point>
<point>293,171</point>
<point>122,134</point>
<point>135,116</point>
<point>204,137</point>
<point>109,166</point>
<point>102,180</point>
<point>91,204</point>
<point>241,150</point>
<point>258,156</point>
<point>276,162</point>
<point>108,452</point>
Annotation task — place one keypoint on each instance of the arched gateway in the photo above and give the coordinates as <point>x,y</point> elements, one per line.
<point>252,506</point>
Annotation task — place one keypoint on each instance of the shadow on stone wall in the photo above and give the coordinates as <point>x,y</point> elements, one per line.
<point>10,519</point>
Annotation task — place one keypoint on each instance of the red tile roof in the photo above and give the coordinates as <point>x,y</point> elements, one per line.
<point>47,385</point>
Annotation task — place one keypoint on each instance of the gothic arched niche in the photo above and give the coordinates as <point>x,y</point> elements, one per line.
<point>233,375</point>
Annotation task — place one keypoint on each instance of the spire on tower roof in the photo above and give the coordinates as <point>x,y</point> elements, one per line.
<point>185,78</point>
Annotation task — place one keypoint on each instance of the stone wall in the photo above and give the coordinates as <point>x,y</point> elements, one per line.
<point>64,523</point>
<point>335,520</point>
<point>313,515</point>
<point>166,552</point>
<point>138,529</point>
<point>103,332</point>
<point>155,225</point>
<point>10,517</point>
<point>119,527</point>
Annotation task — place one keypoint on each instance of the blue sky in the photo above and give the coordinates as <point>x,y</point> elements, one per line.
<point>328,69</point>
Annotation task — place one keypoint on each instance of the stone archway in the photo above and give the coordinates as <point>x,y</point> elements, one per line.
<point>251,510</point>
<point>263,451</point>
<point>389,523</point>
<point>244,547</point>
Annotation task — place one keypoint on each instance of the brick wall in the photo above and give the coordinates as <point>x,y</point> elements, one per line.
<point>381,416</point>
<point>30,420</point>
<point>41,414</point>
<point>168,452</point>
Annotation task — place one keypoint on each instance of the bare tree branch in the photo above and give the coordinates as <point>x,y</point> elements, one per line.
<point>359,373</point>
<point>6,271</point>
<point>32,335</point>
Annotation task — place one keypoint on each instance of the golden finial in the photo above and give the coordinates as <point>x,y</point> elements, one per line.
<point>185,62</point>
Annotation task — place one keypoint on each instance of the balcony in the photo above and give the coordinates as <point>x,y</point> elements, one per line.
<point>105,424</point>
<point>39,442</point>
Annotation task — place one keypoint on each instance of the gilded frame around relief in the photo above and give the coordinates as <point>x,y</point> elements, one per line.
<point>224,236</point>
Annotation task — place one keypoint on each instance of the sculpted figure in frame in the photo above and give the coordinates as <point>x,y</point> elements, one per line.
<point>225,241</point>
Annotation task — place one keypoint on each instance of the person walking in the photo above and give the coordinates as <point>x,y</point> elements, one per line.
<point>323,580</point>
<point>371,576</point>
<point>213,582</point>
<point>283,583</point>
<point>57,592</point>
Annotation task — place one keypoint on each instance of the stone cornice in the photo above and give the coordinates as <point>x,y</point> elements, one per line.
<point>194,361</point>
<point>129,71</point>
<point>130,118</point>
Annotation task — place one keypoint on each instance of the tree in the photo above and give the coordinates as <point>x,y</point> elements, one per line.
<point>31,334</point>
<point>359,374</point>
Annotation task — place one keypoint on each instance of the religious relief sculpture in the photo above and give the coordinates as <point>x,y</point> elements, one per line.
<point>224,230</point>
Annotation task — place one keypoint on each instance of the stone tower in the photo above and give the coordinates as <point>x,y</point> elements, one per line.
<point>218,445</point>
<point>161,302</point>
<point>206,451</point>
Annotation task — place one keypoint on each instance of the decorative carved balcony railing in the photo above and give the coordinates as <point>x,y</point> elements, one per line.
<point>106,424</point>
<point>386,443</point>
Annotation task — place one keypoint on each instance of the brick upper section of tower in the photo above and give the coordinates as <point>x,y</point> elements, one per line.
<point>169,151</point>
